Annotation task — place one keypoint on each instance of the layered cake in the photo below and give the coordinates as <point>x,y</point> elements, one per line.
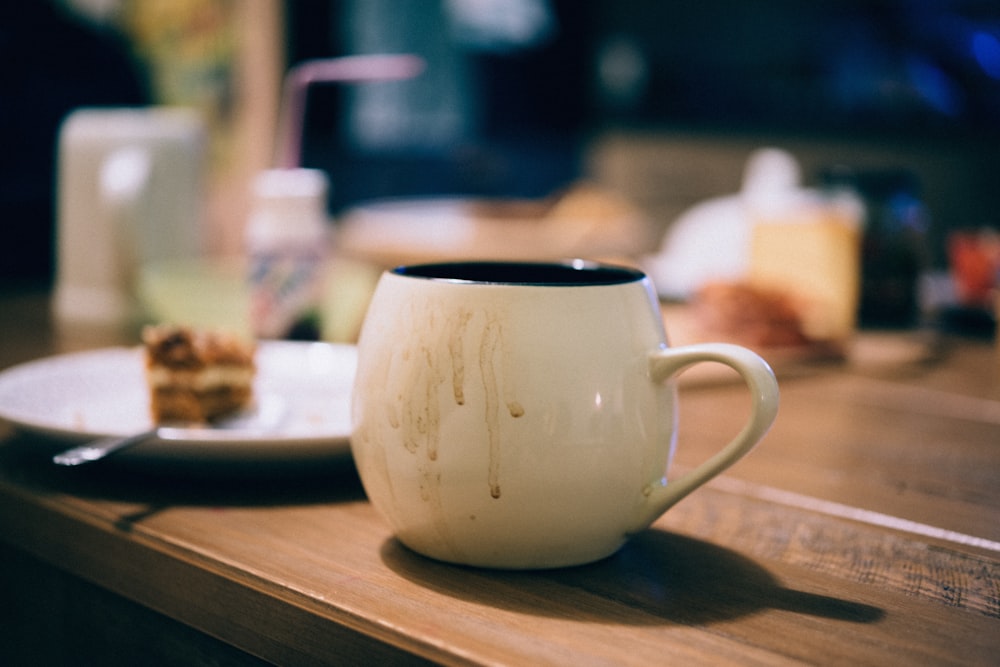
<point>196,375</point>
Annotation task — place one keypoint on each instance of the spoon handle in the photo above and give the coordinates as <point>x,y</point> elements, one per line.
<point>96,450</point>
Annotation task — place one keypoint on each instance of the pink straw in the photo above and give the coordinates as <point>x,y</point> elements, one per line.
<point>347,69</point>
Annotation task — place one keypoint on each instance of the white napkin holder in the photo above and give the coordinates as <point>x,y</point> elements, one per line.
<point>129,187</point>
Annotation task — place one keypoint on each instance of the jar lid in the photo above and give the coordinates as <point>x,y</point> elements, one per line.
<point>289,205</point>
<point>291,184</point>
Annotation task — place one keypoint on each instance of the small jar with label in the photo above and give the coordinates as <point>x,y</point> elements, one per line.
<point>287,239</point>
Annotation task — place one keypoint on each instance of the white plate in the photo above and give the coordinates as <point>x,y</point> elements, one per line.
<point>303,403</point>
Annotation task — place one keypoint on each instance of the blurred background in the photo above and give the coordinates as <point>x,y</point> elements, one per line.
<point>659,102</point>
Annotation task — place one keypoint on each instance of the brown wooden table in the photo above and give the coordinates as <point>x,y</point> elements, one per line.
<point>863,530</point>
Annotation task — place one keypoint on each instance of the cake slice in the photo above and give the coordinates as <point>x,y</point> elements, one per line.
<point>196,375</point>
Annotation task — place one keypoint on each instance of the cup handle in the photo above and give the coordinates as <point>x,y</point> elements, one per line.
<point>763,386</point>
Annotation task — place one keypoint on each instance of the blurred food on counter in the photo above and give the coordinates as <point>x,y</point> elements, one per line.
<point>196,375</point>
<point>584,220</point>
<point>740,312</point>
<point>789,251</point>
<point>975,266</point>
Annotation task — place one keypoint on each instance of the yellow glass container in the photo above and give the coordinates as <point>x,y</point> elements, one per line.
<point>811,251</point>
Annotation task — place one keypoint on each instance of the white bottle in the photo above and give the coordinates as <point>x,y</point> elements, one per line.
<point>287,242</point>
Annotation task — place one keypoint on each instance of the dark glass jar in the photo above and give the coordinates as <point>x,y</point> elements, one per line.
<point>894,250</point>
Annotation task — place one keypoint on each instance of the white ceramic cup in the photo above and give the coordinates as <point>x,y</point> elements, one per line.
<point>523,415</point>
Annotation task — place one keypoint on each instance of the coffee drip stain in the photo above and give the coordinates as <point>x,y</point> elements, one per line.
<point>491,343</point>
<point>439,356</point>
<point>419,373</point>
<point>487,348</point>
<point>456,349</point>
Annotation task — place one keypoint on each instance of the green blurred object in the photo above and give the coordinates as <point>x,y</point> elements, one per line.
<point>213,293</point>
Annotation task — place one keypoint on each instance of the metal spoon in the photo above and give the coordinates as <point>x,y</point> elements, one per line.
<point>96,450</point>
<point>264,416</point>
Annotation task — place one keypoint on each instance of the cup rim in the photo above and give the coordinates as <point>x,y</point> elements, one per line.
<point>568,273</point>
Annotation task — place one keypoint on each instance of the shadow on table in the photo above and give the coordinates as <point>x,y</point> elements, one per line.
<point>656,577</point>
<point>27,460</point>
